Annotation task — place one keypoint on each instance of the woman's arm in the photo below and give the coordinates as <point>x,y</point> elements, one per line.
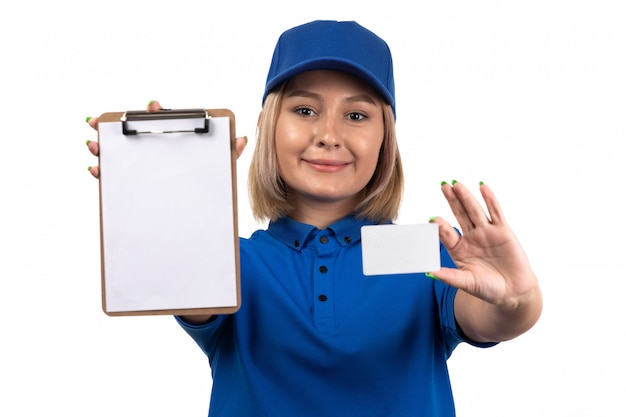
<point>199,319</point>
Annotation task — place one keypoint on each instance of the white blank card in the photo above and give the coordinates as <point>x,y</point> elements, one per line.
<point>400,249</point>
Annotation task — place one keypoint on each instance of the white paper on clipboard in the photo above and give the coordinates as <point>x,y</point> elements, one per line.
<point>168,216</point>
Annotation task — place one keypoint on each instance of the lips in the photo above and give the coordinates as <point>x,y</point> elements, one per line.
<point>326,165</point>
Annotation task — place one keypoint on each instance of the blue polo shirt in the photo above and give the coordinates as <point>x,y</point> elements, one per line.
<point>315,337</point>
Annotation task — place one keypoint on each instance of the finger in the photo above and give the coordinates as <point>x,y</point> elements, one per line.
<point>444,274</point>
<point>154,105</point>
<point>95,171</point>
<point>493,206</point>
<point>472,208</point>
<point>93,122</point>
<point>456,206</point>
<point>448,235</point>
<point>240,144</point>
<point>451,276</point>
<point>94,147</point>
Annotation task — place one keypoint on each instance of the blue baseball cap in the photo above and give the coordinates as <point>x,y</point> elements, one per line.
<point>333,45</point>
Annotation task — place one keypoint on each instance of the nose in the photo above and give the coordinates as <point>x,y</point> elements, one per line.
<point>329,133</point>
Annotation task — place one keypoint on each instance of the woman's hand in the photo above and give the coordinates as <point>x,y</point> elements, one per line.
<point>500,295</point>
<point>94,147</point>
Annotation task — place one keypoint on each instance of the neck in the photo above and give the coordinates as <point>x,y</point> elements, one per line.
<point>320,214</point>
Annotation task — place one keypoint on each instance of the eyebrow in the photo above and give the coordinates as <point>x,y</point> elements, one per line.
<point>351,99</point>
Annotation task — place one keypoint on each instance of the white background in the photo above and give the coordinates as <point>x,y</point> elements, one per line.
<point>529,97</point>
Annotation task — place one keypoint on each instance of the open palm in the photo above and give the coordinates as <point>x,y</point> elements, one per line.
<point>491,263</point>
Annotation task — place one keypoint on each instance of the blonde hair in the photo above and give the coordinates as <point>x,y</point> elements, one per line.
<point>268,192</point>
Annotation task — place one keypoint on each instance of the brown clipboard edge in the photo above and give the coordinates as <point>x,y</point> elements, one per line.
<point>115,117</point>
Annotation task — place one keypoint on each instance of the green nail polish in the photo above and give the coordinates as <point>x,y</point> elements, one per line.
<point>443,183</point>
<point>150,102</point>
<point>246,138</point>
<point>429,275</point>
<point>87,119</point>
<point>454,182</point>
<point>481,183</point>
<point>89,169</point>
<point>88,142</point>
<point>432,219</point>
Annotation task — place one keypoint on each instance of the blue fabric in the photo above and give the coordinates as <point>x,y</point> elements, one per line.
<point>332,45</point>
<point>315,337</point>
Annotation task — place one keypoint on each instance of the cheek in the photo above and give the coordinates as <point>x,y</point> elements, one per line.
<point>281,144</point>
<point>281,158</point>
<point>371,151</point>
<point>290,140</point>
<point>370,164</point>
<point>286,160</point>
<point>285,140</point>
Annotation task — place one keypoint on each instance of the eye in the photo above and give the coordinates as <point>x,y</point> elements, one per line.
<point>304,111</point>
<point>356,116</point>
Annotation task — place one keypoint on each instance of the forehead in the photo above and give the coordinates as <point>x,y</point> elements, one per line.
<point>335,81</point>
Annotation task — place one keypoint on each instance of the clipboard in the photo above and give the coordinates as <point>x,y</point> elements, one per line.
<point>168,212</point>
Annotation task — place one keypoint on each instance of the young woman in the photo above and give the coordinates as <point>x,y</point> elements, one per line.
<point>314,336</point>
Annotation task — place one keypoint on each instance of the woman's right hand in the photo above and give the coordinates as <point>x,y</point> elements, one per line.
<point>154,105</point>
<point>94,147</point>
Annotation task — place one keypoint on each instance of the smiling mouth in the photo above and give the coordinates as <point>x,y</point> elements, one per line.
<point>326,165</point>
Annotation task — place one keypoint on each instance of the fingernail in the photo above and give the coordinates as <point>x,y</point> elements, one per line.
<point>429,275</point>
<point>88,142</point>
<point>443,183</point>
<point>246,138</point>
<point>150,103</point>
<point>89,169</point>
<point>432,219</point>
<point>454,182</point>
<point>480,183</point>
<point>87,119</point>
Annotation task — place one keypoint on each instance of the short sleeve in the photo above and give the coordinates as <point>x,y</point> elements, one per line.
<point>205,335</point>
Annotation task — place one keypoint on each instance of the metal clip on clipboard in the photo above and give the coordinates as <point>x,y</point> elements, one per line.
<point>141,115</point>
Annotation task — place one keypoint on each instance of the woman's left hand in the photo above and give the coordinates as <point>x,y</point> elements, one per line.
<point>492,266</point>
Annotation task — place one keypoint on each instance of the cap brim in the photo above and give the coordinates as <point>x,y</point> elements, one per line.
<point>329,63</point>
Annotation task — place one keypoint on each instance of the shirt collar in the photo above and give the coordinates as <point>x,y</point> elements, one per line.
<point>296,235</point>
